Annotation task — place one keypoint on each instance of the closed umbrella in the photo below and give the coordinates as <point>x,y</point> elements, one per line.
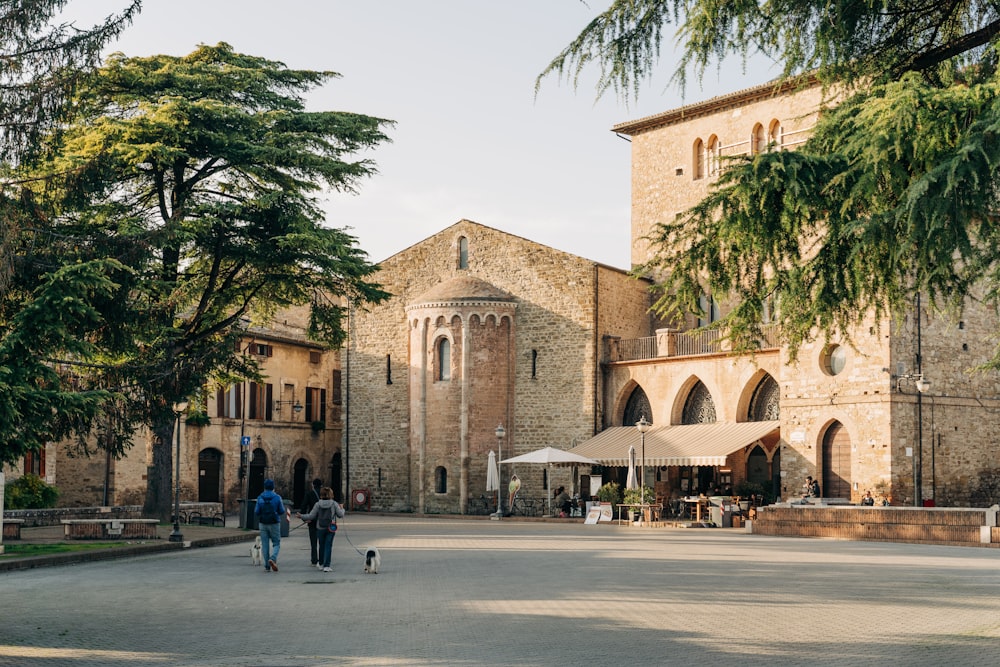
<point>631,482</point>
<point>493,477</point>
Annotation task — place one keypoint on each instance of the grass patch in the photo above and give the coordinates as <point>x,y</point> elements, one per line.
<point>22,550</point>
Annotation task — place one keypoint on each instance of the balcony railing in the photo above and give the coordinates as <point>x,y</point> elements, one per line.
<point>669,343</point>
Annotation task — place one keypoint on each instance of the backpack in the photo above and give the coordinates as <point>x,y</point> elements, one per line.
<point>268,513</point>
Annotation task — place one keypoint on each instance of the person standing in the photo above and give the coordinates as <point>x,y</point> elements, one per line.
<point>325,513</point>
<point>310,500</point>
<point>561,502</point>
<point>269,511</point>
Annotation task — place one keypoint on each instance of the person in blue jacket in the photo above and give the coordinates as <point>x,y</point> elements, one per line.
<point>269,511</point>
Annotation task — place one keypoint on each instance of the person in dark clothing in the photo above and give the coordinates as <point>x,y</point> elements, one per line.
<point>311,498</point>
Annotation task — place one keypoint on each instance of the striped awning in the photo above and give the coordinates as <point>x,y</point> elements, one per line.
<point>679,445</point>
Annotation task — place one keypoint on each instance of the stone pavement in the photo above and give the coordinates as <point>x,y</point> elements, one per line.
<point>469,592</point>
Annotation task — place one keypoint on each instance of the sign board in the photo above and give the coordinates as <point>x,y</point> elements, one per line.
<point>797,436</point>
<point>245,441</point>
<point>595,485</point>
<point>593,516</point>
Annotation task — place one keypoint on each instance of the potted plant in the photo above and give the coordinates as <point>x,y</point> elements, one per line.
<point>318,426</point>
<point>635,497</point>
<point>610,493</point>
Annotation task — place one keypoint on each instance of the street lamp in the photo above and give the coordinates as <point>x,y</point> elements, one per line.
<point>500,433</point>
<point>176,535</point>
<point>296,406</point>
<point>643,426</point>
<point>922,385</point>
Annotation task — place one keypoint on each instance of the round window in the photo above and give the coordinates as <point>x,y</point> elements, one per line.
<point>834,359</point>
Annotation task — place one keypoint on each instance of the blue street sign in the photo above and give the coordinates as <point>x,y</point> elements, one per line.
<point>245,441</point>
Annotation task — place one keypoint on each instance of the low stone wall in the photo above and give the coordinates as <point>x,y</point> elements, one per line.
<point>937,525</point>
<point>53,516</point>
<point>110,529</point>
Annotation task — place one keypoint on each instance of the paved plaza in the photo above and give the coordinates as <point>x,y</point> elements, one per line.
<point>473,592</point>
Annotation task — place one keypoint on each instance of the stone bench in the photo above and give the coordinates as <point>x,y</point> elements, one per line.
<point>12,529</point>
<point>110,529</point>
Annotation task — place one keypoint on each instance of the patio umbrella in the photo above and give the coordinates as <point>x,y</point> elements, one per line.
<point>493,477</point>
<point>551,456</point>
<point>631,482</point>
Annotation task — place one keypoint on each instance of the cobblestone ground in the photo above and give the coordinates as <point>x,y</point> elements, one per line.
<point>479,592</point>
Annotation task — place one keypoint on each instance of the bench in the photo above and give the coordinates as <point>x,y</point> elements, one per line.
<point>209,520</point>
<point>12,529</point>
<point>109,529</point>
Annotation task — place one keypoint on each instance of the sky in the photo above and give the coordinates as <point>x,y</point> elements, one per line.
<point>472,139</point>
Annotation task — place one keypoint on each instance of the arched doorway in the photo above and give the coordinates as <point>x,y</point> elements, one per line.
<point>299,482</point>
<point>836,462</point>
<point>757,468</point>
<point>258,466</point>
<point>209,476</point>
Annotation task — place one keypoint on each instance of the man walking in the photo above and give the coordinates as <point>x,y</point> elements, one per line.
<point>269,511</point>
<point>310,500</point>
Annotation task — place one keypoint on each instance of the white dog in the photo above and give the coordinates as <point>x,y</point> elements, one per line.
<point>255,556</point>
<point>373,560</point>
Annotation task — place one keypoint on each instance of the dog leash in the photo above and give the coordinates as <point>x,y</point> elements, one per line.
<point>360,553</point>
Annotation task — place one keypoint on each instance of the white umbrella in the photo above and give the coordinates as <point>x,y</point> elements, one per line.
<point>631,482</point>
<point>493,477</point>
<point>552,457</point>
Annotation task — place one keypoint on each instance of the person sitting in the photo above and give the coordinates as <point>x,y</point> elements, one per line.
<point>868,499</point>
<point>562,502</point>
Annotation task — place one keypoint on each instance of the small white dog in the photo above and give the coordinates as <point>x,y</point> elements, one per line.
<point>255,556</point>
<point>373,560</point>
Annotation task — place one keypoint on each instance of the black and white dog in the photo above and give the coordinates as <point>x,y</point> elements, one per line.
<point>255,555</point>
<point>373,560</point>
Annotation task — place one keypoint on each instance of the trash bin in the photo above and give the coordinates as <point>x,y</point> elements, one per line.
<point>284,518</point>
<point>248,520</point>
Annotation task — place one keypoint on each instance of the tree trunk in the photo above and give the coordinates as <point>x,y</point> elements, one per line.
<point>159,487</point>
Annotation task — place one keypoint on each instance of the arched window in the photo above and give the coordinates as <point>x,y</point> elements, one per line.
<point>637,406</point>
<point>699,408</point>
<point>698,159</point>
<point>774,135</point>
<point>463,253</point>
<point>758,142</point>
<point>712,155</point>
<point>764,402</point>
<point>440,480</point>
<point>444,360</point>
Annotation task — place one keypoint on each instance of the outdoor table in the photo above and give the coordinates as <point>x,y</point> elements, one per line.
<point>697,503</point>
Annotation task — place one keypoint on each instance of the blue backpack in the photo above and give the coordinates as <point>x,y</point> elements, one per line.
<point>268,512</point>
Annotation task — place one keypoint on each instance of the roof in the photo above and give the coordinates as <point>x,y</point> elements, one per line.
<point>463,288</point>
<point>677,445</point>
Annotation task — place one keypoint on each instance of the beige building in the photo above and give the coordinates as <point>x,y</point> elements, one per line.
<point>291,424</point>
<point>896,411</point>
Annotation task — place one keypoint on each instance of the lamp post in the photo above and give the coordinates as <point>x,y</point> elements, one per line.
<point>643,426</point>
<point>922,385</point>
<point>500,433</point>
<point>176,535</point>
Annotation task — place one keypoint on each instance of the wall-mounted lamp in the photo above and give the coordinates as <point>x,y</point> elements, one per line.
<point>297,407</point>
<point>919,382</point>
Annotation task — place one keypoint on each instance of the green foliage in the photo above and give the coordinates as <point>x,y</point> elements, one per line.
<point>610,493</point>
<point>634,497</point>
<point>746,489</point>
<point>318,426</point>
<point>29,492</point>
<point>198,175</point>
<point>893,195</point>
<point>838,41</point>
<point>198,418</point>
